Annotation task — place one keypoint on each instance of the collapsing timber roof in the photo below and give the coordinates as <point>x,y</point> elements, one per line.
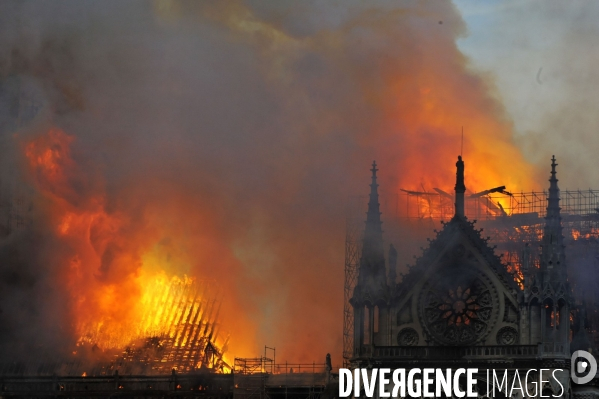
<point>179,331</point>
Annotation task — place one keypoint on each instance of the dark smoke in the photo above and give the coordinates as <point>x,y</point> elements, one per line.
<point>229,134</point>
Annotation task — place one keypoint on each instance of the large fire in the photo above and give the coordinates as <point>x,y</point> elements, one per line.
<point>122,289</point>
<point>231,161</point>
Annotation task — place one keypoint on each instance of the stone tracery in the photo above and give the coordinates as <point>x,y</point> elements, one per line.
<point>458,308</point>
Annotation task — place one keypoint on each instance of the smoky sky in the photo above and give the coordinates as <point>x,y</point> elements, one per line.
<point>542,56</point>
<point>232,133</point>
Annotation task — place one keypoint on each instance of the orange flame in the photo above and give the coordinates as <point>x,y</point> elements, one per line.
<point>117,273</point>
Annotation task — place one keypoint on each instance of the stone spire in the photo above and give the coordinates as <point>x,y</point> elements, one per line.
<point>553,258</point>
<point>372,262</point>
<point>460,188</point>
<point>373,216</point>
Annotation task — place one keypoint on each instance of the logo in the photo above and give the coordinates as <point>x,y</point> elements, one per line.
<point>582,363</point>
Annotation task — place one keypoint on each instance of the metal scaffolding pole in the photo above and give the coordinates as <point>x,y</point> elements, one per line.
<point>354,227</point>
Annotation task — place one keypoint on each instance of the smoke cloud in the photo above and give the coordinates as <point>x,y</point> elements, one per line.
<point>542,56</point>
<point>221,140</point>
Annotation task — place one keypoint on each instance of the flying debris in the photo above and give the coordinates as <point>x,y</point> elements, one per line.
<point>443,193</point>
<point>500,189</point>
<point>417,192</point>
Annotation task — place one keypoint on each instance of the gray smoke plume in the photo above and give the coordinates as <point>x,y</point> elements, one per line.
<point>228,136</point>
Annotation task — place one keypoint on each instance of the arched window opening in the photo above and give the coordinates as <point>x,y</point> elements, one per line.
<point>549,314</point>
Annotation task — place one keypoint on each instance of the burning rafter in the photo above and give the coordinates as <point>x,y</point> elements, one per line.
<point>510,220</point>
<point>178,329</point>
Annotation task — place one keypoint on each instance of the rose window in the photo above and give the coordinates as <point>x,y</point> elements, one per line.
<point>457,308</point>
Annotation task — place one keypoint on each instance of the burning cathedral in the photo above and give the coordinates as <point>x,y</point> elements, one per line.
<point>459,306</point>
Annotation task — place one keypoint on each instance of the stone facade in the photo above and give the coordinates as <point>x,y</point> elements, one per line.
<point>459,307</point>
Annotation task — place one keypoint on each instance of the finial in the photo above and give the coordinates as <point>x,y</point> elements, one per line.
<point>460,188</point>
<point>374,169</point>
<point>552,258</point>
<point>459,183</point>
<point>553,189</point>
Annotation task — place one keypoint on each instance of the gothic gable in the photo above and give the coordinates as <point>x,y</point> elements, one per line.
<point>458,292</point>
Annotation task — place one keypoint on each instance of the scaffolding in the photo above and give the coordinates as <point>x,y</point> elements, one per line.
<point>512,219</point>
<point>440,205</point>
<point>509,220</point>
<point>353,236</point>
<point>262,378</point>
